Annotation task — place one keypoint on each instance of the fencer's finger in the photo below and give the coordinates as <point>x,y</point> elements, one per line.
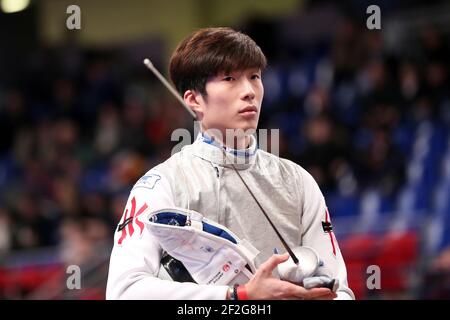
<point>316,293</point>
<point>331,296</point>
<point>273,261</point>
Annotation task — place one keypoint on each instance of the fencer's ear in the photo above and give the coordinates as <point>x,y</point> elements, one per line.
<point>192,99</point>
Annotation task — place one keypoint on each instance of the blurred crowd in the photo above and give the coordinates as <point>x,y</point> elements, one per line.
<point>80,127</point>
<point>72,146</point>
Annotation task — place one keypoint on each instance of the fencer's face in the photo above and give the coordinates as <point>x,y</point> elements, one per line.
<point>232,101</point>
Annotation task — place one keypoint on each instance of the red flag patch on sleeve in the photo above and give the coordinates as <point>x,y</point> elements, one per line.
<point>328,228</point>
<point>128,221</point>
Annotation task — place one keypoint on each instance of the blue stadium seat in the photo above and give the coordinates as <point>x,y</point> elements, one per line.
<point>342,205</point>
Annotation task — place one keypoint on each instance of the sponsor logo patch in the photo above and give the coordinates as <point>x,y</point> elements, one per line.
<point>148,181</point>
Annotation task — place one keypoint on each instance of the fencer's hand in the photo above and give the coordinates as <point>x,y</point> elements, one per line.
<point>264,286</point>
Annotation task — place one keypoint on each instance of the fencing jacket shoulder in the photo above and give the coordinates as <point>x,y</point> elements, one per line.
<point>200,179</point>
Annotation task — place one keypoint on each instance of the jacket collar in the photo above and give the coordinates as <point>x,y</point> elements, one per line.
<point>208,149</point>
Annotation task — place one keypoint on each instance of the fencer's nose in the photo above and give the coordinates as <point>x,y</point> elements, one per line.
<point>248,92</point>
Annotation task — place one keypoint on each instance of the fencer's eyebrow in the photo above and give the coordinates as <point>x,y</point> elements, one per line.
<point>250,70</point>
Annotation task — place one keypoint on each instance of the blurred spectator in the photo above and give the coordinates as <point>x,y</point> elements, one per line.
<point>76,247</point>
<point>13,117</point>
<point>5,232</point>
<point>347,50</point>
<point>436,282</point>
<point>325,151</point>
<point>380,165</point>
<point>434,47</point>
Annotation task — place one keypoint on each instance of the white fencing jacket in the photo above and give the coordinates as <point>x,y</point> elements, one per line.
<point>199,178</point>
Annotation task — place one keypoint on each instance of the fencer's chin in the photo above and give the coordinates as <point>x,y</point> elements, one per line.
<point>307,266</point>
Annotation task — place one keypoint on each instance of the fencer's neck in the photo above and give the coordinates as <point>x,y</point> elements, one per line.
<point>230,141</point>
<point>237,143</point>
<point>211,150</point>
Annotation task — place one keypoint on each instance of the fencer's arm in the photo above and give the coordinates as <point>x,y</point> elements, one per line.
<point>133,276</point>
<point>316,222</point>
<point>136,255</point>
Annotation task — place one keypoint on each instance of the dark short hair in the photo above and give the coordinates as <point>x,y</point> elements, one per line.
<point>209,51</point>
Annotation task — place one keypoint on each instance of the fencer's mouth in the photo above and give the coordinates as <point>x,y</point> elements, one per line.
<point>249,109</point>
